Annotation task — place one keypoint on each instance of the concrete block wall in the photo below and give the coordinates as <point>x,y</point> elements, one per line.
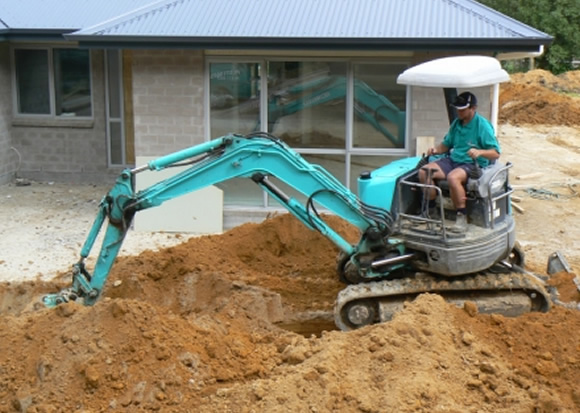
<point>167,100</point>
<point>67,150</point>
<point>428,116</point>
<point>8,157</point>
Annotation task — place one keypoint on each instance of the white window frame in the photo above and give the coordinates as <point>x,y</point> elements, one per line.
<point>112,119</point>
<point>51,85</point>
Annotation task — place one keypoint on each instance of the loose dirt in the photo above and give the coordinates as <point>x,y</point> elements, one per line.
<point>540,98</point>
<point>241,321</point>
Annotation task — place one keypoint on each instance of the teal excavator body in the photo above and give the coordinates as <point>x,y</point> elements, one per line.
<point>400,251</point>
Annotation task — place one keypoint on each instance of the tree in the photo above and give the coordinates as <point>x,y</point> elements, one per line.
<point>558,18</point>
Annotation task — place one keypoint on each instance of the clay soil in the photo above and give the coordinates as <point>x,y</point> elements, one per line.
<point>242,321</point>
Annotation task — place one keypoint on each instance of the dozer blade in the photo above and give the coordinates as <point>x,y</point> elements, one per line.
<point>508,294</point>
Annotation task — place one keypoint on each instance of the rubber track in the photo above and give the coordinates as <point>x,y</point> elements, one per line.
<point>424,283</point>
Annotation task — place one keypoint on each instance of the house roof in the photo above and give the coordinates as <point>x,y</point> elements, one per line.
<point>301,24</point>
<point>40,18</point>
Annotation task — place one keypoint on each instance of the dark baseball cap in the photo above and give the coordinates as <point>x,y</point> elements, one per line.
<point>464,101</point>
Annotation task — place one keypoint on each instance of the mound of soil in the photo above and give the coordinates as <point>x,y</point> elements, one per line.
<point>197,327</point>
<point>538,97</point>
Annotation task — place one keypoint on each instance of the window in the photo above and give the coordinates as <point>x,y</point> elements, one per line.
<point>235,97</point>
<point>379,106</point>
<point>307,103</point>
<point>53,82</point>
<point>347,116</point>
<point>235,107</point>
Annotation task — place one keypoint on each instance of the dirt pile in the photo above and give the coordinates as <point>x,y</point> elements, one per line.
<point>196,327</point>
<point>538,97</point>
<point>278,255</point>
<point>431,357</point>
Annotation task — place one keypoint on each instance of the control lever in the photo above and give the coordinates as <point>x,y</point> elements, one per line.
<point>475,172</point>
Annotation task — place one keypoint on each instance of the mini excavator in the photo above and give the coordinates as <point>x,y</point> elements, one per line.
<point>402,251</point>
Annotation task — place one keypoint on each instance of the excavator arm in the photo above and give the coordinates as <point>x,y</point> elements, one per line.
<point>258,157</point>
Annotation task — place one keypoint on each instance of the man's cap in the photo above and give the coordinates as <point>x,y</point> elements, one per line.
<point>464,101</point>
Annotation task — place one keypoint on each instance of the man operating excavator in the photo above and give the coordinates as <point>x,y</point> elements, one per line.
<point>471,138</point>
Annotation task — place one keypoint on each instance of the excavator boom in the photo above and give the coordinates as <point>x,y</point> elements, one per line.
<point>258,157</point>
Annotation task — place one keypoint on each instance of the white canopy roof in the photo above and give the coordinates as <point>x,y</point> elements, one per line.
<point>455,72</point>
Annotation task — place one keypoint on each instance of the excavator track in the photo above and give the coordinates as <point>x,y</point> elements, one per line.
<point>510,294</point>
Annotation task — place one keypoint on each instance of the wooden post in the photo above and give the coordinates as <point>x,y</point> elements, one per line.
<point>423,144</point>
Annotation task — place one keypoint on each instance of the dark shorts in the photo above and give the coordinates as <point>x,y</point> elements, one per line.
<point>447,165</point>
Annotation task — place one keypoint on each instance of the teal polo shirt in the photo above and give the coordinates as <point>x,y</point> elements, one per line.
<point>478,133</point>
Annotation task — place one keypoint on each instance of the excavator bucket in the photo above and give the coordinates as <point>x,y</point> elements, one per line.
<point>557,263</point>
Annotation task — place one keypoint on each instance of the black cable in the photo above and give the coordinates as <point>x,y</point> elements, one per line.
<point>380,216</point>
<point>259,134</point>
<point>266,135</point>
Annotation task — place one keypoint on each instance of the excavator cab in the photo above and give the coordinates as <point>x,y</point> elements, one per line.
<point>491,231</point>
<point>489,239</point>
<point>487,195</point>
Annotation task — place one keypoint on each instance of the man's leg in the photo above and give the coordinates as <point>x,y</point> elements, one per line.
<point>437,173</point>
<point>427,175</point>
<point>457,179</point>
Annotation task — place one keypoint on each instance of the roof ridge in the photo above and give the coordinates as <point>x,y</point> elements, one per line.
<point>126,14</point>
<point>3,23</point>
<point>492,11</point>
<point>167,4</point>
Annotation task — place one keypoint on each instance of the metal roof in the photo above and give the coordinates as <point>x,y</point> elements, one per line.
<point>27,16</point>
<point>369,24</point>
<point>366,24</point>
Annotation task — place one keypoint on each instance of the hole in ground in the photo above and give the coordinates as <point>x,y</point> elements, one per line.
<point>308,325</point>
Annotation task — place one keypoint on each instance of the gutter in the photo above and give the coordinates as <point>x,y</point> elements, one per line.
<point>520,55</point>
<point>308,43</point>
<point>35,35</point>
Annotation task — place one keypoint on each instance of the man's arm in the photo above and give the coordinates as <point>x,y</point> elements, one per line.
<point>489,154</point>
<point>488,143</point>
<point>436,150</point>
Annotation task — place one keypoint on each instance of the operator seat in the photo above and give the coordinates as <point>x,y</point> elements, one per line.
<point>480,190</point>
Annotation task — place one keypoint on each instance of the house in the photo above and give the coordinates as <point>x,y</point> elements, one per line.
<point>88,89</point>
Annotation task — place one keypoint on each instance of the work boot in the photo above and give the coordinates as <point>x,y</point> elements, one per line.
<point>434,213</point>
<point>460,224</point>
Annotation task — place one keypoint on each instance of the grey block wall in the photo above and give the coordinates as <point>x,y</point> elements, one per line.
<point>167,100</point>
<point>67,150</point>
<point>168,108</point>
<point>8,156</point>
<point>428,116</point>
<point>168,116</point>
